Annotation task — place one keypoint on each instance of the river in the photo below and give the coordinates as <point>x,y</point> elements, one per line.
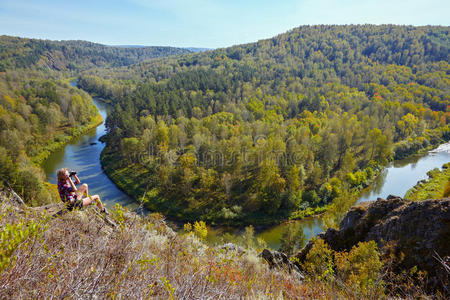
<point>83,155</point>
<point>396,179</point>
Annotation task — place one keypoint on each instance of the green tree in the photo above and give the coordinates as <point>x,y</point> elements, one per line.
<point>131,148</point>
<point>319,261</point>
<point>292,239</point>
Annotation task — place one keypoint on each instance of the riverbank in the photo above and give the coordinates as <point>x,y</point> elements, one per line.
<point>350,195</point>
<point>356,192</point>
<point>63,139</point>
<point>129,180</point>
<point>394,179</point>
<point>421,144</point>
<point>436,186</point>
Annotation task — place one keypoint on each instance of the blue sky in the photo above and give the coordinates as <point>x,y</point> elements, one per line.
<point>201,23</point>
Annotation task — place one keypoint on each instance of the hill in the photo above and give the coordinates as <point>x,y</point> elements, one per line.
<point>39,113</point>
<point>16,52</point>
<point>85,254</point>
<point>275,129</point>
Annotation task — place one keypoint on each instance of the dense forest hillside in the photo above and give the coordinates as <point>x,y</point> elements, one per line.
<point>18,52</point>
<point>274,129</point>
<point>38,113</point>
<point>252,134</point>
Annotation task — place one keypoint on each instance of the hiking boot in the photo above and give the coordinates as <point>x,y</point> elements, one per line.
<point>105,211</point>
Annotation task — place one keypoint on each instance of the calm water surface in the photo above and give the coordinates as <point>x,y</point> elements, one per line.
<point>396,179</point>
<point>83,155</point>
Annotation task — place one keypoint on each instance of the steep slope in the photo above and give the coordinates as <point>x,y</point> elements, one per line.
<point>78,255</point>
<point>84,254</point>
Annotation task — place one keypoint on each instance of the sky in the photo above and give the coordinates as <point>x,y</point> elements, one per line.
<point>201,23</point>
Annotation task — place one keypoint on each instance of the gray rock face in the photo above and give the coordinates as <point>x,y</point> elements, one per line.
<point>419,230</point>
<point>280,260</point>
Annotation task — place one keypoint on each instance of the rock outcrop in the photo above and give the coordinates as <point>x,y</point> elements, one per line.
<point>280,260</point>
<point>415,233</point>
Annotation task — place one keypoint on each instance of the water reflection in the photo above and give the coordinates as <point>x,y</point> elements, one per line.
<point>311,227</point>
<point>404,174</point>
<point>396,179</point>
<point>83,155</point>
<point>377,185</point>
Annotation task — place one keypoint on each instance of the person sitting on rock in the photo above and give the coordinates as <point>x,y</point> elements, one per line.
<point>73,197</point>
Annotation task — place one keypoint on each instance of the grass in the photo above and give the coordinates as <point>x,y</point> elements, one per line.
<point>77,255</point>
<point>437,186</point>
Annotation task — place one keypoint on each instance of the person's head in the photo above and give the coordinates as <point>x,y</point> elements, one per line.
<point>62,174</point>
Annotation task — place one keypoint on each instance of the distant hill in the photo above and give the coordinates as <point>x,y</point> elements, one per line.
<point>190,49</point>
<point>16,52</point>
<point>128,46</point>
<point>194,49</point>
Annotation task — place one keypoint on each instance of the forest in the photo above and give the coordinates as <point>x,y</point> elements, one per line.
<point>40,111</point>
<point>18,52</point>
<point>275,129</point>
<point>37,114</point>
<point>259,133</point>
<point>254,133</point>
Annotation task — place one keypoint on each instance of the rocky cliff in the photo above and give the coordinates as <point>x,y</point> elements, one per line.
<point>408,233</point>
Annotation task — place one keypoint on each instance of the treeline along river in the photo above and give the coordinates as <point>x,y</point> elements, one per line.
<point>83,155</point>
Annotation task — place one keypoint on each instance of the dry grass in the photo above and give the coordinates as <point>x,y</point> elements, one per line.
<point>78,256</point>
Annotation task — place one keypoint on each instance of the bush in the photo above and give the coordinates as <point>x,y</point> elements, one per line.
<point>200,230</point>
<point>447,190</point>
<point>433,173</point>
<point>361,270</point>
<point>357,178</point>
<point>319,262</point>
<point>14,236</point>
